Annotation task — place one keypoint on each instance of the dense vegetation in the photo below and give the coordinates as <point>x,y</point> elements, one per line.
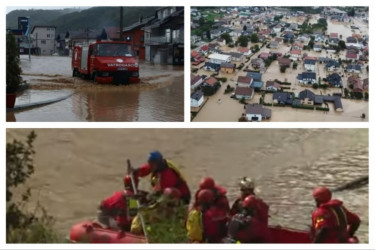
<point>24,225</point>
<point>74,19</point>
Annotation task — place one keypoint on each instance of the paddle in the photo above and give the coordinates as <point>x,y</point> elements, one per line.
<point>130,172</point>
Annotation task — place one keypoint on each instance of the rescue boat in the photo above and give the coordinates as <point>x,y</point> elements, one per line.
<point>93,232</point>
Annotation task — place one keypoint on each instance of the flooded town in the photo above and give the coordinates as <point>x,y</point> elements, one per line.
<point>99,70</point>
<point>279,64</point>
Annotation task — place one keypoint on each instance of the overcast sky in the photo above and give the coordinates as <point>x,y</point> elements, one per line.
<point>11,8</point>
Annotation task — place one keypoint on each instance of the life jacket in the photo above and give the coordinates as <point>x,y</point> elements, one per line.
<point>338,226</point>
<point>194,226</point>
<point>155,177</point>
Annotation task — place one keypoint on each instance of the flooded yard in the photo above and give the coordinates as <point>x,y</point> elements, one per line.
<point>51,77</point>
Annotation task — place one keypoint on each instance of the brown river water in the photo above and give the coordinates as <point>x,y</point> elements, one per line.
<point>158,97</point>
<point>77,168</point>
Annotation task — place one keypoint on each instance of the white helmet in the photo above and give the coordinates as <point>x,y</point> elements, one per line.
<point>246,183</point>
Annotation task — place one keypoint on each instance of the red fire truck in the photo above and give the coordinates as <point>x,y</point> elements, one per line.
<point>106,62</point>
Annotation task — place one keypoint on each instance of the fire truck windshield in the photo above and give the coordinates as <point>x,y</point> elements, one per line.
<point>114,49</point>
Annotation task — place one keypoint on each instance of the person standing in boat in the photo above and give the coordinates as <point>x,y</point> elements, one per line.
<point>247,187</point>
<point>245,227</point>
<point>331,221</point>
<point>118,210</point>
<point>164,174</point>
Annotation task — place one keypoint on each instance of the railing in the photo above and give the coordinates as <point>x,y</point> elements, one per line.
<point>163,40</point>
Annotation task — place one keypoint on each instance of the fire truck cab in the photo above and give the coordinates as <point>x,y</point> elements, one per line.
<point>106,62</point>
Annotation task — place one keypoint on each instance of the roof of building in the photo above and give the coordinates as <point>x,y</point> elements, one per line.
<point>332,63</point>
<point>255,75</point>
<point>296,52</point>
<point>284,61</point>
<point>244,79</point>
<point>283,97</point>
<point>309,61</point>
<point>219,57</point>
<point>197,95</point>
<point>227,65</point>
<point>306,94</point>
<point>212,65</point>
<point>141,22</point>
<point>244,91</point>
<point>273,84</point>
<point>308,75</point>
<point>243,49</point>
<point>210,81</point>
<point>334,79</point>
<point>258,109</point>
<point>257,84</point>
<point>194,79</point>
<point>353,67</point>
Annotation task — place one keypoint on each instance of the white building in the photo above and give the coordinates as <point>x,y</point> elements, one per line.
<point>219,58</point>
<point>44,39</point>
<point>196,99</point>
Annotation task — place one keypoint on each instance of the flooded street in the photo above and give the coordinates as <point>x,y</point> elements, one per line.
<point>145,101</point>
<point>77,168</point>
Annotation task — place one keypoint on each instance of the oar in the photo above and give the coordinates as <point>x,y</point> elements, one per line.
<point>130,172</point>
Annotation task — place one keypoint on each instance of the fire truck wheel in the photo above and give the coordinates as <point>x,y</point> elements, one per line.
<point>94,77</point>
<point>75,72</point>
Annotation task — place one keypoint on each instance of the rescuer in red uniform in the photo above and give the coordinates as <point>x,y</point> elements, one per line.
<point>220,198</point>
<point>331,221</point>
<point>244,227</point>
<point>120,207</point>
<point>164,174</point>
<point>206,222</point>
<point>247,188</point>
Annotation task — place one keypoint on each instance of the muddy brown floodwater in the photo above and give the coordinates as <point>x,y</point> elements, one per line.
<point>77,168</point>
<point>159,96</point>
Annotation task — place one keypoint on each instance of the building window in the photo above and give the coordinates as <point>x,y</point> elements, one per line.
<point>142,38</point>
<point>43,41</point>
<point>168,35</point>
<point>48,36</point>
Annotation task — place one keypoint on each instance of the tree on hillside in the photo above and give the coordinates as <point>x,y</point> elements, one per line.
<point>244,28</point>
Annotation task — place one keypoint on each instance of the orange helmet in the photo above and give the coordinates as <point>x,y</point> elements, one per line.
<point>322,194</point>
<point>172,193</point>
<point>207,183</point>
<point>249,202</point>
<point>205,196</point>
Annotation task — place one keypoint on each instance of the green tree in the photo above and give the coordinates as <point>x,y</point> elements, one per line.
<point>254,38</point>
<point>243,41</point>
<point>346,92</point>
<point>13,69</point>
<point>282,69</point>
<point>295,64</point>
<point>244,28</point>
<point>342,45</point>
<point>227,38</point>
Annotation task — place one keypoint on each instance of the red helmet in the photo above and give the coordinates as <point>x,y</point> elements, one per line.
<point>205,196</point>
<point>172,193</point>
<point>322,194</point>
<point>128,181</point>
<point>249,202</point>
<point>207,183</point>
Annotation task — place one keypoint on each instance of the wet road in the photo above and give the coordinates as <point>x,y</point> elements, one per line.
<point>80,167</point>
<point>159,96</point>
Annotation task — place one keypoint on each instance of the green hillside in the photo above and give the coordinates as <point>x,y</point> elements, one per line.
<point>74,19</point>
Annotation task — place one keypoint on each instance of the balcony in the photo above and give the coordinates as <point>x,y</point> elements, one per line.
<point>159,40</point>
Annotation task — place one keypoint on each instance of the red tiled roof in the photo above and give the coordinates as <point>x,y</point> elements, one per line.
<point>244,91</point>
<point>244,79</point>
<point>210,81</point>
<point>296,52</point>
<point>243,49</point>
<point>204,47</point>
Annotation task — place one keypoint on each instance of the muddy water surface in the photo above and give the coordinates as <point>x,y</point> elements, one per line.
<point>77,168</point>
<point>159,96</point>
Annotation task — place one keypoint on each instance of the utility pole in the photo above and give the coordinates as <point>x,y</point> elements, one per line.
<point>121,22</point>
